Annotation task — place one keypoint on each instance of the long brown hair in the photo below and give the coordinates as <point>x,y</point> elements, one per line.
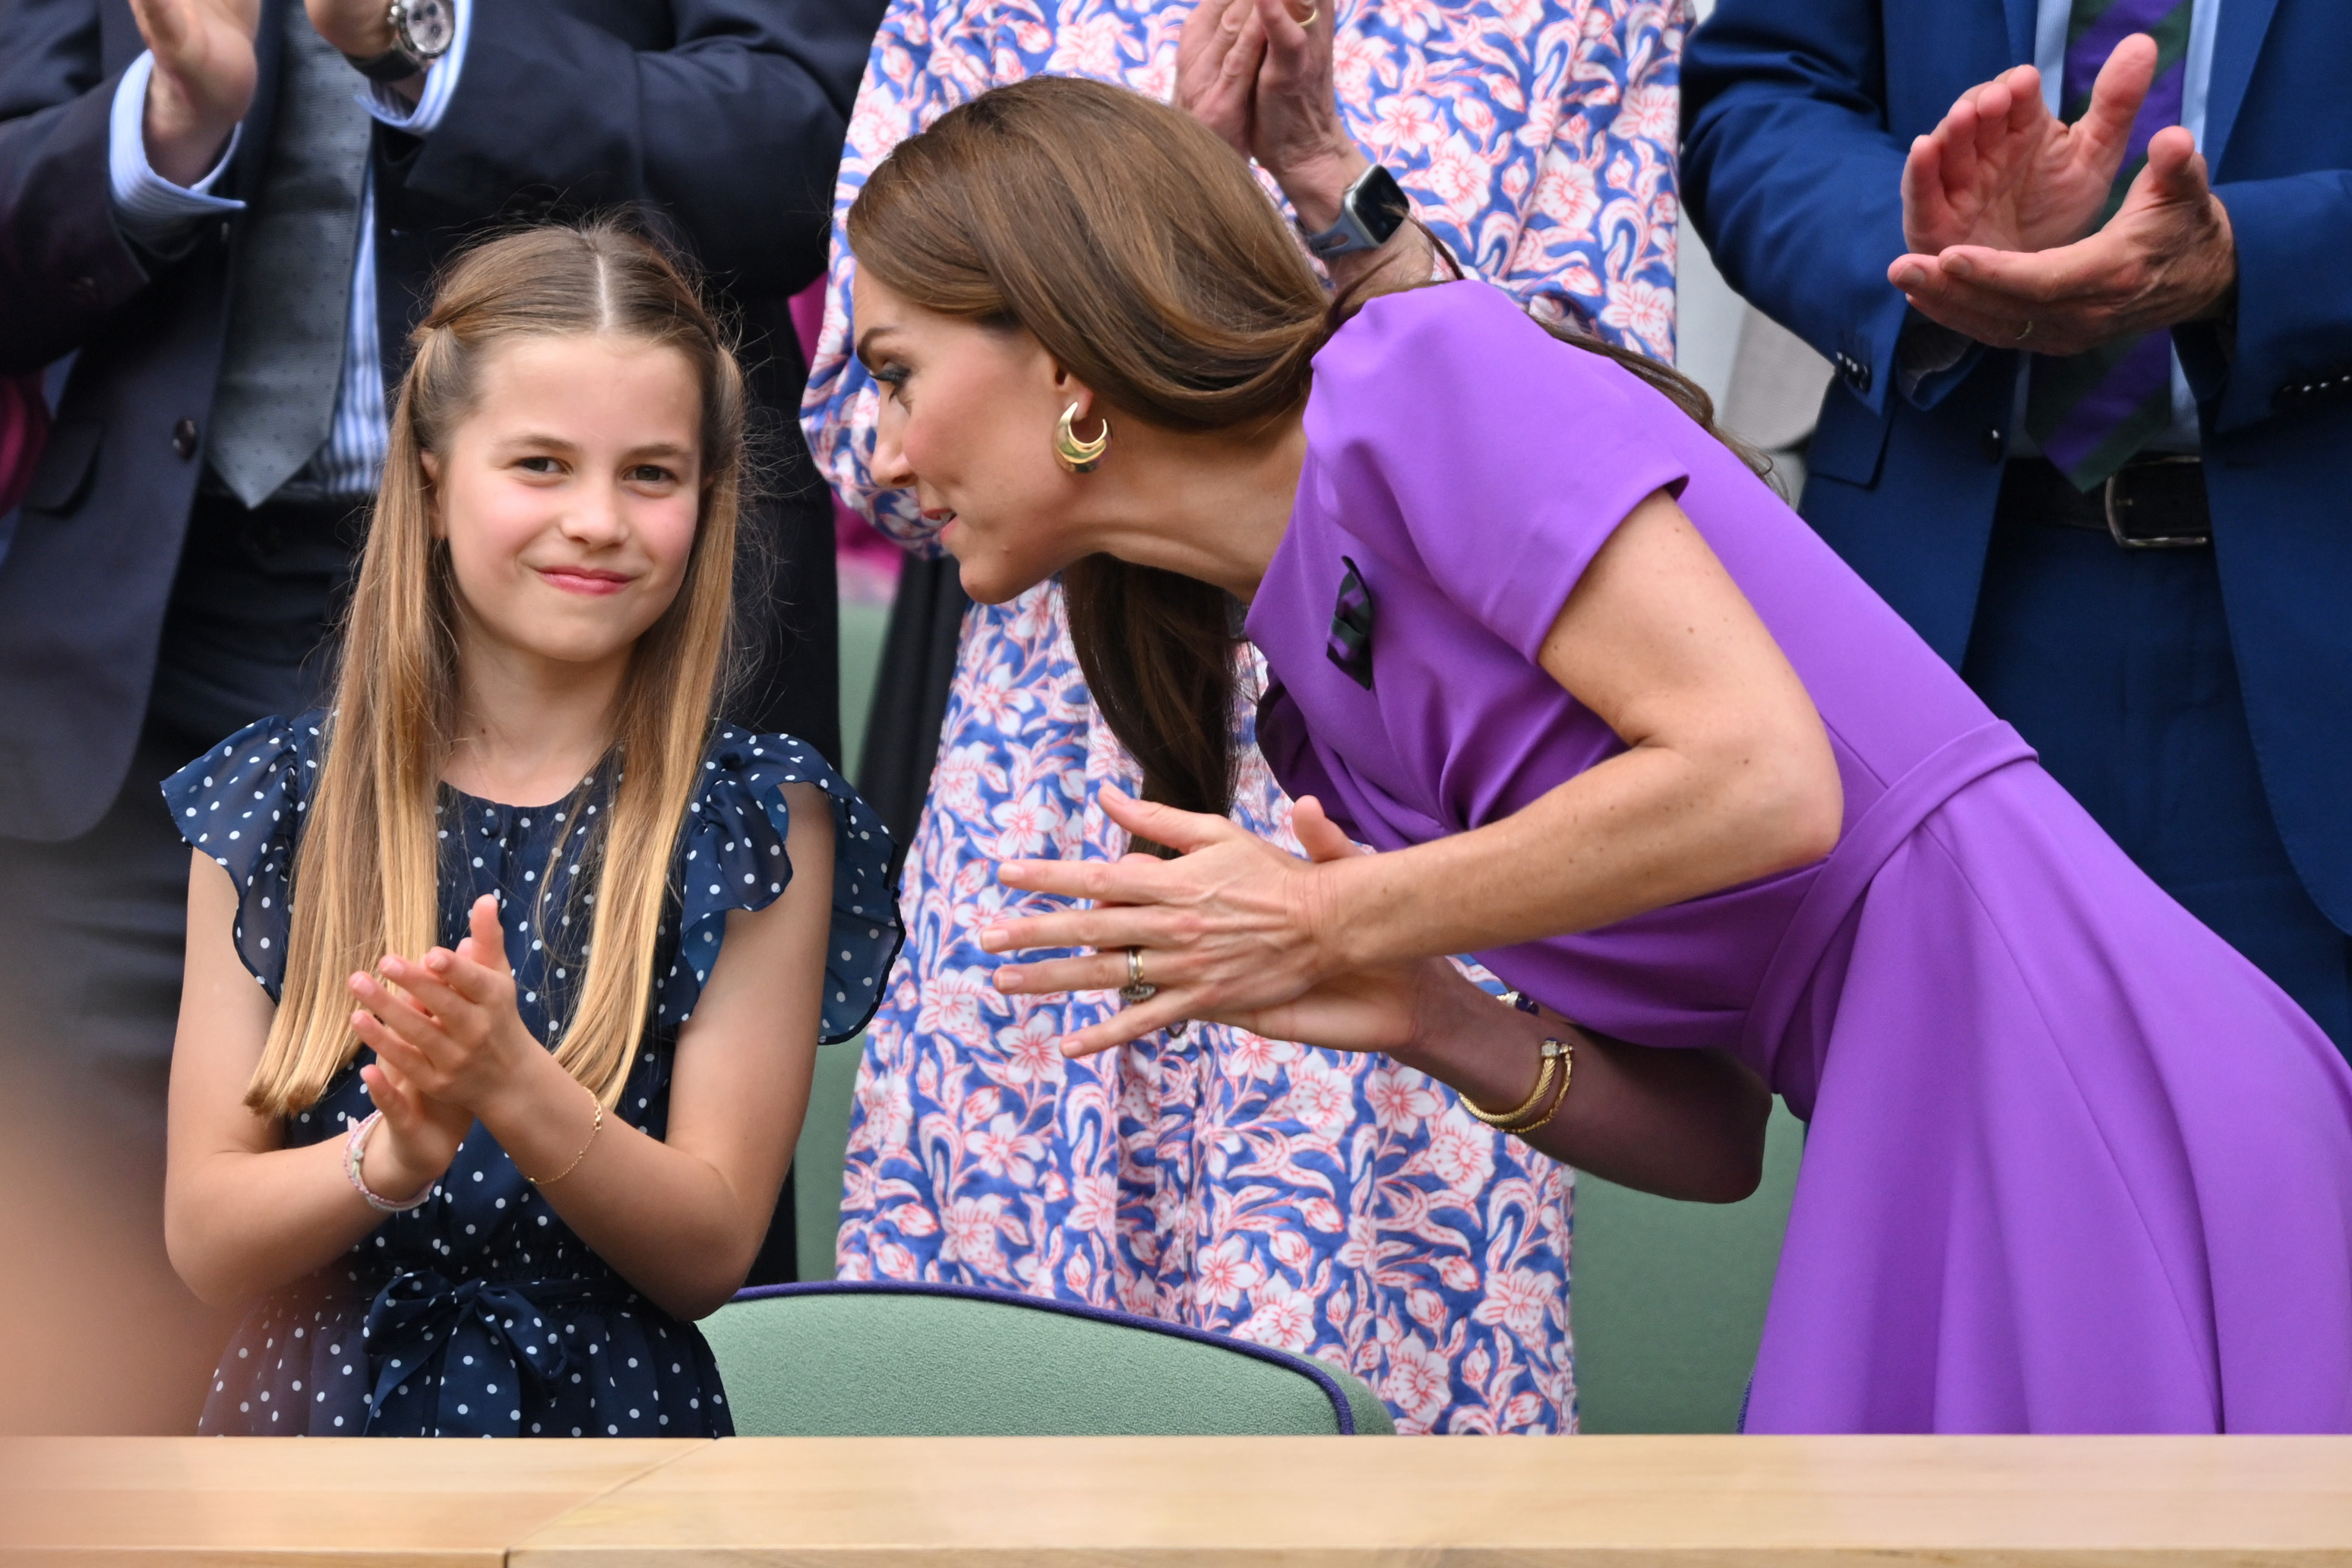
<point>1138,249</point>
<point>366,871</point>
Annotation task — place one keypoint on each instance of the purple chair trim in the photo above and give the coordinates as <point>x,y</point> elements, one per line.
<point>1342,1410</point>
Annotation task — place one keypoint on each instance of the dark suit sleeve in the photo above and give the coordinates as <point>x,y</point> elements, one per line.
<point>1792,178</point>
<point>733,125</point>
<point>64,268</point>
<point>2294,334</point>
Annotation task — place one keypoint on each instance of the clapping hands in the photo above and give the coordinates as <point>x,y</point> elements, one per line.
<point>204,80</point>
<point>2001,203</point>
<point>446,1042</point>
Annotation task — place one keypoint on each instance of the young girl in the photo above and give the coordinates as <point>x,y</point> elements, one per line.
<point>482,1187</point>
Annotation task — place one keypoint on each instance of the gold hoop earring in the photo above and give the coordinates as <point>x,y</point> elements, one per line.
<point>1078,456</point>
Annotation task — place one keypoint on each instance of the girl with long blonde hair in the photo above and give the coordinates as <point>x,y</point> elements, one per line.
<point>513,1099</point>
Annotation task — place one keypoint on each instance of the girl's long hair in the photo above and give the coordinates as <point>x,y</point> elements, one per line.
<point>1139,250</point>
<point>367,868</point>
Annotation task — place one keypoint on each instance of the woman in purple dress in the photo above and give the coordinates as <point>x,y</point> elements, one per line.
<point>1610,716</point>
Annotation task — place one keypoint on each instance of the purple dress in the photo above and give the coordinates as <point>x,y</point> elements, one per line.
<point>2074,1164</point>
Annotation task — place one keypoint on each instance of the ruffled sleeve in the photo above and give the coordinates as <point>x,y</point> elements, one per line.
<point>240,802</point>
<point>732,856</point>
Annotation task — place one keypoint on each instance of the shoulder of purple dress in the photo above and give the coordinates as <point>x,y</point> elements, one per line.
<point>1446,349</point>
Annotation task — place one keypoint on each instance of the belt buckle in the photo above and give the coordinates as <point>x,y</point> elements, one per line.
<point>2118,501</point>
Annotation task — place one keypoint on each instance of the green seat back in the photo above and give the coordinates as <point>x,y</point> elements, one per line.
<point>854,1359</point>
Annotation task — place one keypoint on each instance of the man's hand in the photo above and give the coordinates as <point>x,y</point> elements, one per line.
<point>204,80</point>
<point>2166,257</point>
<point>2003,171</point>
<point>362,29</point>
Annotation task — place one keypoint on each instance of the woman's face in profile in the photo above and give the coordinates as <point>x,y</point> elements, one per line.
<point>966,422</point>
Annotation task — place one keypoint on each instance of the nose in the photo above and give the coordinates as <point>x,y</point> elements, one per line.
<point>597,516</point>
<point>889,465</point>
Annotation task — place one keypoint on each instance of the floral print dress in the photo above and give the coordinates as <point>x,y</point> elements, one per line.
<point>1329,1204</point>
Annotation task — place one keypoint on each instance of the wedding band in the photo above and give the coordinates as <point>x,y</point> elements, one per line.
<point>1312,13</point>
<point>2025,332</point>
<point>1137,988</point>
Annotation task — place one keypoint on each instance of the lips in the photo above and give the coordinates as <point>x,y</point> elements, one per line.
<point>589,582</point>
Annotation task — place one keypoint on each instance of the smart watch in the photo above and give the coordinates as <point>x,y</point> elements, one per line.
<point>422,32</point>
<point>1372,209</point>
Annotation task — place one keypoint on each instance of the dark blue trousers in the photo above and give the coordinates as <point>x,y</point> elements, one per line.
<point>2115,665</point>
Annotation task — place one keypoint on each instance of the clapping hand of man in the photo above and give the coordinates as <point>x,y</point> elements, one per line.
<point>1999,204</point>
<point>1259,74</point>
<point>204,80</point>
<point>362,29</point>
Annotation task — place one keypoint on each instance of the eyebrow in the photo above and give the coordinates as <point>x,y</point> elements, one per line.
<point>866,341</point>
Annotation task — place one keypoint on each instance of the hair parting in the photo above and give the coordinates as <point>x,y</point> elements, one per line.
<point>367,865</point>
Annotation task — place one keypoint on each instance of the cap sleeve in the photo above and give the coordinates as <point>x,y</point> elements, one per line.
<point>1452,431</point>
<point>240,802</point>
<point>733,855</point>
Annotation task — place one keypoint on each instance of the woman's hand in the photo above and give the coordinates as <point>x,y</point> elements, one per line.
<point>1217,57</point>
<point>451,1032</point>
<point>1232,930</point>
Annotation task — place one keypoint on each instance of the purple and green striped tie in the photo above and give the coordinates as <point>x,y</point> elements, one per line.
<point>2093,412</point>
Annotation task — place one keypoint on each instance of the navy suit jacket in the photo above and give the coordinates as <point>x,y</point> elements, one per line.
<point>724,118</point>
<point>1796,115</point>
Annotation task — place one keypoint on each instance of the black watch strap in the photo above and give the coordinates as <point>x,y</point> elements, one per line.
<point>396,63</point>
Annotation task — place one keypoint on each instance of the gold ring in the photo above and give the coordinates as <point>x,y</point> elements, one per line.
<point>1137,988</point>
<point>1312,13</point>
<point>2025,332</point>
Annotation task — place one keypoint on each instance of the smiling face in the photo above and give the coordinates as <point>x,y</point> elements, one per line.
<point>570,494</point>
<point>966,422</point>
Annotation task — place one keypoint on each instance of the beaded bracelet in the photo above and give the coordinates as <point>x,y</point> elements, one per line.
<point>354,1150</point>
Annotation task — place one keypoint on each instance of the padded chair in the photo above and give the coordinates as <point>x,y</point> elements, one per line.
<point>857,1359</point>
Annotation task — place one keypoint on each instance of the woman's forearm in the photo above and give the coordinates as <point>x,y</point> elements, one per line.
<point>1685,1124</point>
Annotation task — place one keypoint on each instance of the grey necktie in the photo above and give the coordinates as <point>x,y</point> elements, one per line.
<point>291,299</point>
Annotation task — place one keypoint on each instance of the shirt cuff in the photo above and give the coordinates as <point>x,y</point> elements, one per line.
<point>148,209</point>
<point>420,118</point>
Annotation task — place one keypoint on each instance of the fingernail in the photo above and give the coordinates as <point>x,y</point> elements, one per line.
<point>1957,266</point>
<point>991,941</point>
<point>1912,278</point>
<point>438,964</point>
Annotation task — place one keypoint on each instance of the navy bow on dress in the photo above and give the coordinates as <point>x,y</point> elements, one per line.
<point>485,1336</point>
<point>1350,644</point>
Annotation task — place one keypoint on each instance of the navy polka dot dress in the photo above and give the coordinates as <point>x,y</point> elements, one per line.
<point>481,1313</point>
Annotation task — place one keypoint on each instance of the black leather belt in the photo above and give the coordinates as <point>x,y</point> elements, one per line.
<point>2156,502</point>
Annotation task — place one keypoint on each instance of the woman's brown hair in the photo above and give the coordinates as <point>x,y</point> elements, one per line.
<point>366,872</point>
<point>1141,253</point>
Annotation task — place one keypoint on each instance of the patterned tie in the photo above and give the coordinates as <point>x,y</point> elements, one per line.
<point>2093,412</point>
<point>291,297</point>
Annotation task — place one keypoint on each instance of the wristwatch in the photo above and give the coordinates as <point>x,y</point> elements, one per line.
<point>422,32</point>
<point>1373,208</point>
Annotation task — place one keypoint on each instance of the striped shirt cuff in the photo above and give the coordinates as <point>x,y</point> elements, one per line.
<point>440,82</point>
<point>148,209</point>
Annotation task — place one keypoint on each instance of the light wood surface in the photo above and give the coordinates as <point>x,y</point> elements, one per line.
<point>296,1502</point>
<point>1596,1502</point>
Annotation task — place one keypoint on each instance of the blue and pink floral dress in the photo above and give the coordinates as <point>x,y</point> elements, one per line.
<point>1333,1205</point>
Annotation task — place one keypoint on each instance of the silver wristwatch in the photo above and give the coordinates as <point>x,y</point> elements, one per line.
<point>422,32</point>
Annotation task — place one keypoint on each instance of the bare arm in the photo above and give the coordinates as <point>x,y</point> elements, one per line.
<point>242,1213</point>
<point>1726,776</point>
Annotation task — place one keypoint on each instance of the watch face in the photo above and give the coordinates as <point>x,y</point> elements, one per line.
<point>1380,204</point>
<point>426,26</point>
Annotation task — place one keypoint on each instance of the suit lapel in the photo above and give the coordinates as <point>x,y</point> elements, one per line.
<point>2238,33</point>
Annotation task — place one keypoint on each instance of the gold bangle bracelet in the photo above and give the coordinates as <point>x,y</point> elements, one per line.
<point>1567,1071</point>
<point>595,1127</point>
<point>1552,1051</point>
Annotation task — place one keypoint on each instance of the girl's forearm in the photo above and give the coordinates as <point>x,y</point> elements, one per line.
<point>666,1219</point>
<point>1685,1124</point>
<point>238,1224</point>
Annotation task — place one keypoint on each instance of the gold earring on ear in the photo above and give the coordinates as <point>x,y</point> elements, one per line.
<point>1078,456</point>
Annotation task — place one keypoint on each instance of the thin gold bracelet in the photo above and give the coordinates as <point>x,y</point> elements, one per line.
<point>594,1128</point>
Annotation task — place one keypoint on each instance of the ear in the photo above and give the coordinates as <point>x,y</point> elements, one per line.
<point>1069,389</point>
